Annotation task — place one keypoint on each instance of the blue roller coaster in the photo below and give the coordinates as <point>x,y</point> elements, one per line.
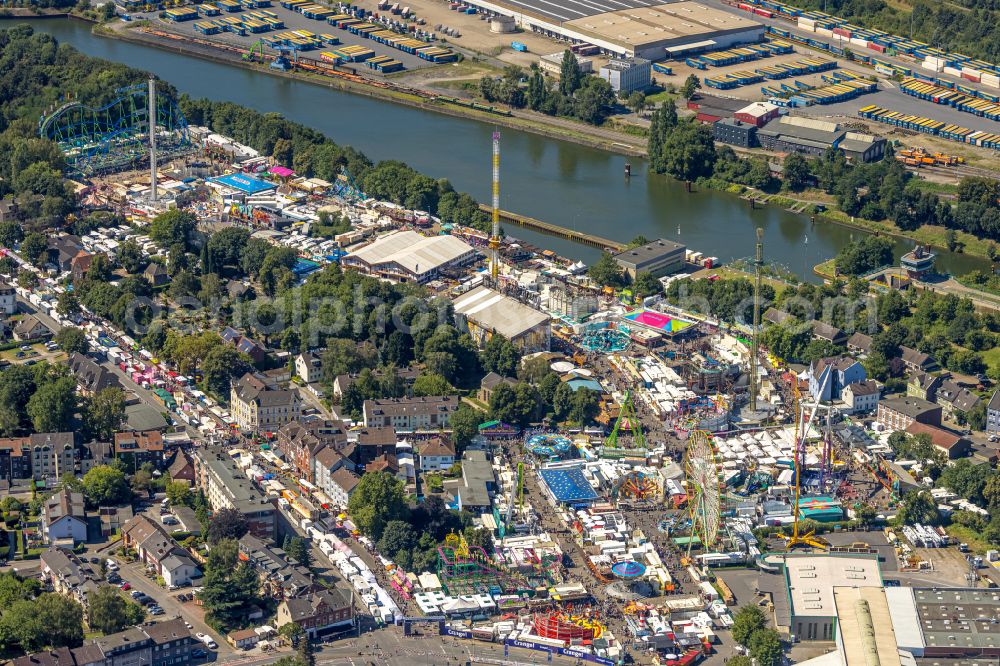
<point>115,137</point>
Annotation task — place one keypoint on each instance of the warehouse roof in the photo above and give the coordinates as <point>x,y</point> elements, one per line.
<point>642,26</point>
<point>805,130</point>
<point>414,252</point>
<point>636,256</point>
<point>501,314</point>
<point>811,580</point>
<point>941,614</point>
<point>863,612</point>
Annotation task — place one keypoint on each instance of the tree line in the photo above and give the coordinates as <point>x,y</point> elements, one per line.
<point>576,95</point>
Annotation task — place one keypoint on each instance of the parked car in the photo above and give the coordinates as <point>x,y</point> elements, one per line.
<point>111,564</point>
<point>155,610</point>
<point>136,594</point>
<point>125,586</point>
<point>198,653</point>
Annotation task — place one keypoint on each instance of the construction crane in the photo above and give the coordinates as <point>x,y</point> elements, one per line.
<point>495,237</point>
<point>255,48</point>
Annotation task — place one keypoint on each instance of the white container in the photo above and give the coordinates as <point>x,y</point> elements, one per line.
<point>826,32</point>
<point>863,43</point>
<point>953,71</point>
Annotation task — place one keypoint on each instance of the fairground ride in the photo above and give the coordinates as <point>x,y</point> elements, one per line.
<point>116,136</point>
<point>637,485</point>
<point>465,569</point>
<point>807,539</point>
<point>627,424</point>
<point>704,494</point>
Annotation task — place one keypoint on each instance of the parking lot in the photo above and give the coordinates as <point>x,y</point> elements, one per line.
<point>296,21</point>
<point>33,354</point>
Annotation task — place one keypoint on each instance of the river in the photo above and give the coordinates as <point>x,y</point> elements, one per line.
<point>557,181</point>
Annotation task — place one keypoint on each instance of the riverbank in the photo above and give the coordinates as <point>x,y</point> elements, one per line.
<point>566,130</point>
<point>552,127</point>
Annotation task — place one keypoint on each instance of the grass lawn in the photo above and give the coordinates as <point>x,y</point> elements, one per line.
<point>976,543</point>
<point>992,357</point>
<point>932,186</point>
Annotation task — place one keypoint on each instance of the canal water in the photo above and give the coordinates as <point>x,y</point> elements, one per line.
<point>557,181</point>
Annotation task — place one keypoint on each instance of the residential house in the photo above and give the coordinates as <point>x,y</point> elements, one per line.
<point>832,334</point>
<point>954,446</point>
<point>145,447</point>
<point>182,468</point>
<point>899,413</point>
<point>64,517</point>
<point>156,275</point>
<point>226,486</point>
<point>325,463</point>
<point>8,299</point>
<point>341,485</point>
<point>923,385</point>
<point>165,643</point>
<point>776,316</point>
<point>308,367</point>
<point>158,551</point>
<point>39,456</point>
<point>79,266</point>
<point>954,398</point>
<point>256,351</point>
<point>861,397</point>
<point>29,327</point>
<point>91,377</point>
<point>280,578</point>
<point>436,454</point>
<point>114,518</point>
<point>915,360</point>
<point>859,343</point>
<point>993,414</point>
<point>829,376</point>
<point>63,249</point>
<point>92,454</point>
<point>490,382</point>
<point>187,519</point>
<point>68,574</point>
<point>243,639</point>
<point>300,441</point>
<point>255,407</point>
<point>407,375</point>
<point>421,413</point>
<point>319,612</point>
<point>369,445</point>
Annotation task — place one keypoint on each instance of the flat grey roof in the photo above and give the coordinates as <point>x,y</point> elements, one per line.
<point>960,618</point>
<point>501,314</point>
<point>659,248</point>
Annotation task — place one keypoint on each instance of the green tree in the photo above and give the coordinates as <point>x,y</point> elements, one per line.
<point>109,612</point>
<point>689,152</point>
<point>765,647</point>
<point>51,407</point>
<point>691,85</point>
<point>173,227</point>
<point>500,356</point>
<point>918,507</point>
<point>569,74</point>
<point>131,256</point>
<point>428,383</point>
<point>864,255</point>
<point>105,413</point>
<point>27,279</point>
<point>537,90</point>
<point>378,499</point>
<point>740,660</point>
<point>179,493</point>
<point>747,621</point>
<point>464,424</point>
<point>586,405</point>
<point>636,101</point>
<point>606,271</point>
<point>11,234</point>
<point>646,285</point>
<point>33,248</point>
<point>222,364</point>
<point>593,100</point>
<point>298,549</point>
<point>68,304</point>
<point>398,536</point>
<point>796,172</point>
<point>105,485</point>
<point>230,587</point>
<point>226,524</point>
<point>72,340</point>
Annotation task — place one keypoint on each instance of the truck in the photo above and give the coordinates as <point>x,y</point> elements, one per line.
<point>519,46</point>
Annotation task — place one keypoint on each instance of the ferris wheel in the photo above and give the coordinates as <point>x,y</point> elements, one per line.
<point>704,495</point>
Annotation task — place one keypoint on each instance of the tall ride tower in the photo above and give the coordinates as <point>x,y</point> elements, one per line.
<point>495,238</point>
<point>152,139</point>
<point>758,263</point>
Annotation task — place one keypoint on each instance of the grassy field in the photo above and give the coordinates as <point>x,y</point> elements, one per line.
<point>992,358</point>
<point>963,534</point>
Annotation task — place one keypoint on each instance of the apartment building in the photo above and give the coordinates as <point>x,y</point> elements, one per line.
<point>227,487</point>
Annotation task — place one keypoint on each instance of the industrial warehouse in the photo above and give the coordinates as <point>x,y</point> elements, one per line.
<point>653,33</point>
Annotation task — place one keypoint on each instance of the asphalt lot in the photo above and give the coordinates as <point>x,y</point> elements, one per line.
<point>296,21</point>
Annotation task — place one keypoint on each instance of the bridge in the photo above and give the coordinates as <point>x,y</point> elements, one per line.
<point>554,229</point>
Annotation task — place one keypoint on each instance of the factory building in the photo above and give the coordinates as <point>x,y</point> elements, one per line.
<point>808,136</point>
<point>633,29</point>
<point>735,133</point>
<point>660,257</point>
<point>627,75</point>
